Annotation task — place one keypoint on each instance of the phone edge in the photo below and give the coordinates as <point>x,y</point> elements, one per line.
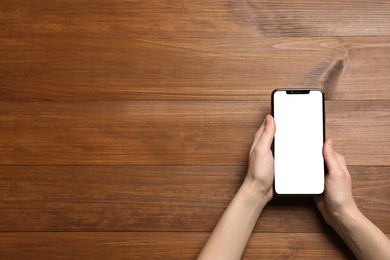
<point>323,140</point>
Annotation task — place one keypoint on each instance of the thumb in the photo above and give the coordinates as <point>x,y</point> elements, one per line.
<point>332,163</point>
<point>268,133</point>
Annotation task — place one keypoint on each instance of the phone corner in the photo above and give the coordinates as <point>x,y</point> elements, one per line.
<point>275,191</point>
<point>273,91</point>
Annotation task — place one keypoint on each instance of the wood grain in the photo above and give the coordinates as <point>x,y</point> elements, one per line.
<point>210,50</point>
<point>187,133</point>
<point>77,68</point>
<point>195,19</point>
<point>167,245</point>
<point>133,120</point>
<point>160,198</point>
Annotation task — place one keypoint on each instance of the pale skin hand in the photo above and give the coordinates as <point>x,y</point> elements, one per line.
<point>339,210</point>
<point>337,205</point>
<point>261,160</point>
<point>337,197</point>
<point>233,230</point>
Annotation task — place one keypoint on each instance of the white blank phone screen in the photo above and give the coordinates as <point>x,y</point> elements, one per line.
<point>299,164</point>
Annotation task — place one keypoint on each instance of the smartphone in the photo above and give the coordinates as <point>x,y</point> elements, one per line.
<point>299,116</point>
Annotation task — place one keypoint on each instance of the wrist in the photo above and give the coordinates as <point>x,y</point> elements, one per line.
<point>348,218</point>
<point>254,192</point>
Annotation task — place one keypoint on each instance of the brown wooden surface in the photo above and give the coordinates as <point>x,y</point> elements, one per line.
<point>159,198</point>
<point>180,132</point>
<point>78,67</point>
<point>137,116</point>
<point>163,245</point>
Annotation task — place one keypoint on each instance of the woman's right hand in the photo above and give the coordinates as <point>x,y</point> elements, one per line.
<point>337,202</point>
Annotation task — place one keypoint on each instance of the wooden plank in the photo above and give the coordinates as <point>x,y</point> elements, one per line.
<point>158,133</point>
<point>169,245</point>
<point>160,198</point>
<point>74,67</point>
<point>191,19</point>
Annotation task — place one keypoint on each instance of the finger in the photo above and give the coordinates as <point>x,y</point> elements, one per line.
<point>330,157</point>
<point>268,134</point>
<point>258,135</point>
<point>319,200</point>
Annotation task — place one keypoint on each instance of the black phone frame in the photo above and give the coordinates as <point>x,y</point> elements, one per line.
<point>293,92</point>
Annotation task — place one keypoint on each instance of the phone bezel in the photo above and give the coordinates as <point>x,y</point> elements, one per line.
<point>323,131</point>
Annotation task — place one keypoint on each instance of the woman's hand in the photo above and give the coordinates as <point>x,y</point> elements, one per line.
<point>337,201</point>
<point>233,230</point>
<point>260,173</point>
<point>339,210</point>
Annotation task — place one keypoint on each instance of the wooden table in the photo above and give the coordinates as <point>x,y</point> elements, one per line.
<point>125,125</point>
